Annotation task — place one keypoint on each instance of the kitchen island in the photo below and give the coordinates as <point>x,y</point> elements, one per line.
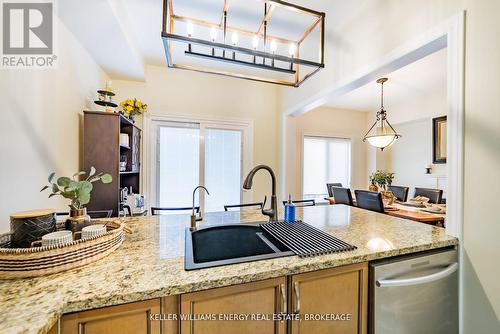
<point>150,263</point>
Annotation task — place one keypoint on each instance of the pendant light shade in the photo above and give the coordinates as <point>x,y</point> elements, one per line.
<point>381,133</point>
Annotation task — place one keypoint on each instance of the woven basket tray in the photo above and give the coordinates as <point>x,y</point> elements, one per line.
<point>46,260</point>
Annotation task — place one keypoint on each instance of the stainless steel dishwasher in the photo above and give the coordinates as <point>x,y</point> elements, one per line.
<point>415,294</point>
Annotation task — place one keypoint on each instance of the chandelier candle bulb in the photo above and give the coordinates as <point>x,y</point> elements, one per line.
<point>291,52</point>
<point>255,44</point>
<point>190,30</point>
<point>213,37</point>
<point>213,34</point>
<point>234,40</point>
<point>273,48</point>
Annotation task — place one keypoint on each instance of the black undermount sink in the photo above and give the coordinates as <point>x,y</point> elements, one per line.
<point>218,245</point>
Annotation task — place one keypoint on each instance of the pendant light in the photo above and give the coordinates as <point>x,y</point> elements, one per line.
<point>248,60</point>
<point>381,134</point>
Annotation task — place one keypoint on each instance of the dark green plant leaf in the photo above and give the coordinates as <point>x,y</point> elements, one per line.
<point>45,187</point>
<point>63,181</point>
<point>51,176</point>
<point>73,185</point>
<point>69,194</point>
<point>84,198</point>
<point>55,188</point>
<point>52,195</point>
<point>84,187</point>
<point>70,188</point>
<point>106,178</point>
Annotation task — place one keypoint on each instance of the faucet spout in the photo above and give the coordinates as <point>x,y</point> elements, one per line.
<point>272,212</point>
<point>194,216</point>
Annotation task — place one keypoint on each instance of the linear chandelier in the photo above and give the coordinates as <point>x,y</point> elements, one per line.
<point>219,42</point>
<point>384,134</point>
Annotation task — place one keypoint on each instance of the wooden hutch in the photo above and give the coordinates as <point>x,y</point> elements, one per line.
<point>102,149</point>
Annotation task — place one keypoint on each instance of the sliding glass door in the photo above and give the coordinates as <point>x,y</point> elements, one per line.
<point>196,153</point>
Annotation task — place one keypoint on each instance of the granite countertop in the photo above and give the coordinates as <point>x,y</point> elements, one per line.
<point>150,263</point>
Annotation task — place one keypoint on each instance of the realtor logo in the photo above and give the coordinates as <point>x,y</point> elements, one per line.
<point>27,34</point>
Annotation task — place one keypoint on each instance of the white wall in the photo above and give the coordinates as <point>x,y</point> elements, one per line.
<point>327,122</point>
<point>409,156</point>
<point>170,92</point>
<point>482,163</point>
<point>40,127</point>
<point>376,27</point>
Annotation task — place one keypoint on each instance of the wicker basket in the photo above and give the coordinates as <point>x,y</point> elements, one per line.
<point>46,260</point>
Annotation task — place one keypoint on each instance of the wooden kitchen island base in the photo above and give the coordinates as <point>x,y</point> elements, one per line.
<point>326,301</point>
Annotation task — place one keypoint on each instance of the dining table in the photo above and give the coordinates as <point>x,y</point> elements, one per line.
<point>404,210</point>
<point>409,211</point>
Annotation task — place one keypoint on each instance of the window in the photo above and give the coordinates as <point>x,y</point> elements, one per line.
<point>193,153</point>
<point>325,160</point>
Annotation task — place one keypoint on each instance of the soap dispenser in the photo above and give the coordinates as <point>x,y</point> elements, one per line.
<point>289,210</point>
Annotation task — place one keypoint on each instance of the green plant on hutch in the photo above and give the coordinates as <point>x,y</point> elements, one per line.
<point>78,192</point>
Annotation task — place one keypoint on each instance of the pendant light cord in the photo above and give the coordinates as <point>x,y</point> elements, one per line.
<point>382,96</point>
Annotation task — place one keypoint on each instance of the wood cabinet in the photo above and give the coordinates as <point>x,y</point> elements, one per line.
<point>266,297</point>
<point>132,318</point>
<point>339,295</point>
<point>102,149</point>
<point>54,329</point>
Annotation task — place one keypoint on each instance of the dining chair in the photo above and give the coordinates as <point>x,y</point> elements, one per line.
<point>400,192</point>
<point>434,195</point>
<point>329,187</point>
<point>342,195</point>
<point>303,202</point>
<point>369,200</point>
<point>155,211</point>
<point>95,214</point>
<point>244,205</point>
<point>125,210</point>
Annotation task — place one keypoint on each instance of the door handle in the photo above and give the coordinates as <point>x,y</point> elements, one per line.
<point>296,289</point>
<point>418,280</point>
<point>283,299</point>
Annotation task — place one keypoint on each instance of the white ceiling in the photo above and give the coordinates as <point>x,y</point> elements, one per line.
<point>124,35</point>
<point>101,28</point>
<point>425,77</point>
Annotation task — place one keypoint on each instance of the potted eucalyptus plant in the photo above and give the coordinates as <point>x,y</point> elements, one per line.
<point>382,179</point>
<point>78,191</point>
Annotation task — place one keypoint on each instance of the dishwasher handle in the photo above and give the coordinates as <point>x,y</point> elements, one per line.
<point>419,280</point>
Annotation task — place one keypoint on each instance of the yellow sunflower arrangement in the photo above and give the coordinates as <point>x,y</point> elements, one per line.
<point>132,107</point>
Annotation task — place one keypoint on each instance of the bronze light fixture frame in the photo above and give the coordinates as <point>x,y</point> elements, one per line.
<point>382,118</point>
<point>168,34</point>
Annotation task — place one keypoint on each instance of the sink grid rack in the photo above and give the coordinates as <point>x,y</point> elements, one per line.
<point>305,240</point>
